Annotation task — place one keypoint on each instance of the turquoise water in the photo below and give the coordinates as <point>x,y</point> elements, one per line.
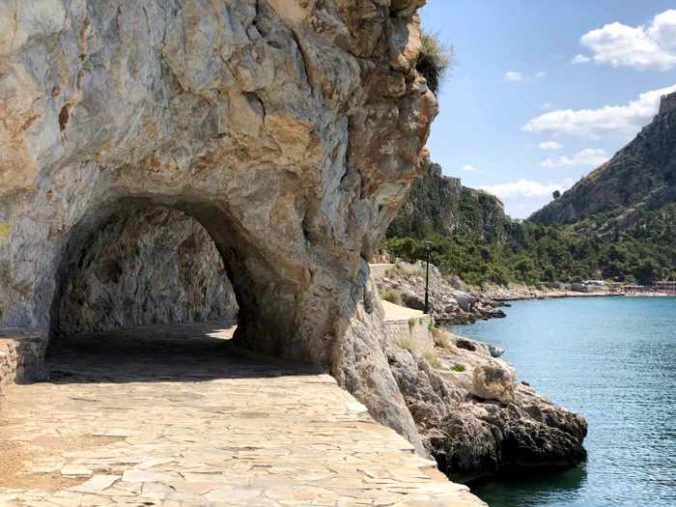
<point>612,360</point>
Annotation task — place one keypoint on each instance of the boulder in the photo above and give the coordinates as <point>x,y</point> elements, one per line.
<point>494,381</point>
<point>465,300</point>
<point>413,300</point>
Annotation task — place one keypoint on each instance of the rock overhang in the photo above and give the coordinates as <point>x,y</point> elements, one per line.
<point>265,121</point>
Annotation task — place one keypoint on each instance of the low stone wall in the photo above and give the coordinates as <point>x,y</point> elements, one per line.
<point>21,358</point>
<point>408,328</point>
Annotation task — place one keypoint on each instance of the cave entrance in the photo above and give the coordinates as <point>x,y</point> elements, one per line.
<point>141,284</point>
<point>143,267</point>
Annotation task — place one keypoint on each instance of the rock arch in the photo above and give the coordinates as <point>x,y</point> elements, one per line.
<point>290,130</point>
<point>108,232</point>
<point>140,265</point>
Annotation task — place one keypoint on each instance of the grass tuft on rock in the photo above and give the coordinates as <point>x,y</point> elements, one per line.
<point>432,359</point>
<point>407,344</point>
<point>390,295</point>
<point>458,367</point>
<point>434,61</point>
<point>440,337</point>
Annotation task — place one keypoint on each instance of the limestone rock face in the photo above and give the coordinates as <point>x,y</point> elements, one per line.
<point>638,179</point>
<point>265,121</point>
<point>290,130</point>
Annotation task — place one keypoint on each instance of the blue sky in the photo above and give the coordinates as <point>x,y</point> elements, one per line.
<point>542,91</point>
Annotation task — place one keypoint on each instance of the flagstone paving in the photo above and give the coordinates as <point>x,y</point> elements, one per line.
<point>176,417</point>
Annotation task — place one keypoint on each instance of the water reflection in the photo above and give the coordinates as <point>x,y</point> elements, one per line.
<point>613,360</point>
<point>530,489</point>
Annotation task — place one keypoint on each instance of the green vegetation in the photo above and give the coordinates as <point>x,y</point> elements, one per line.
<point>390,295</point>
<point>434,61</point>
<point>533,254</point>
<point>411,323</point>
<point>458,367</point>
<point>432,359</point>
<point>440,337</point>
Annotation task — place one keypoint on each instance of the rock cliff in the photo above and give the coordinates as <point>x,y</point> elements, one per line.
<point>640,177</point>
<point>290,130</point>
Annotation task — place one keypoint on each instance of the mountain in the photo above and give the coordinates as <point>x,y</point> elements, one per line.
<point>618,223</point>
<point>641,177</point>
<point>438,204</point>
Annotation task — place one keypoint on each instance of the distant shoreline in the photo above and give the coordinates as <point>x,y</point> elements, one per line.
<point>519,293</point>
<point>556,295</point>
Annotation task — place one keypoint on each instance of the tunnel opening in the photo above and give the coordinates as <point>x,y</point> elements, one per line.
<point>145,266</point>
<point>141,278</point>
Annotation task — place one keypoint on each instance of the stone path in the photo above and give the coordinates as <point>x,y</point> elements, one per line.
<point>398,312</point>
<point>178,418</point>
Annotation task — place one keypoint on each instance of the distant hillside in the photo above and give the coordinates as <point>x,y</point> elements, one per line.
<point>439,204</point>
<point>618,223</point>
<point>641,177</point>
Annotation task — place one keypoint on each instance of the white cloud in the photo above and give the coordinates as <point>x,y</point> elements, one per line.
<point>469,168</point>
<point>513,76</point>
<point>651,46</point>
<point>622,121</point>
<point>526,188</point>
<point>580,59</point>
<point>588,157</point>
<point>550,146</point>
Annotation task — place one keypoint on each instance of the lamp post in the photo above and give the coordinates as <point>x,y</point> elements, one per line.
<point>427,277</point>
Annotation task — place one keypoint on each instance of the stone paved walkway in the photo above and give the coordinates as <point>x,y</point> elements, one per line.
<point>179,419</point>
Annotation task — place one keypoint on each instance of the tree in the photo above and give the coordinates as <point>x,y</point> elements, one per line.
<point>645,273</point>
<point>556,194</point>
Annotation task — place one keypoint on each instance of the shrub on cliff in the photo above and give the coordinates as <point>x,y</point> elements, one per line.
<point>434,61</point>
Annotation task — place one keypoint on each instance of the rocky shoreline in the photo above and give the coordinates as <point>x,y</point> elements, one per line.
<point>451,301</point>
<point>473,415</point>
<point>477,420</point>
<point>517,292</point>
<point>471,412</point>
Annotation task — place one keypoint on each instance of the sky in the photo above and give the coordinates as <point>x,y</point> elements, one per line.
<point>542,92</point>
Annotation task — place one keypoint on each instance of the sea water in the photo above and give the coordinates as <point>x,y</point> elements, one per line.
<point>613,360</point>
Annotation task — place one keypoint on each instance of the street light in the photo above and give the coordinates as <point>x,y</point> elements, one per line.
<point>428,249</point>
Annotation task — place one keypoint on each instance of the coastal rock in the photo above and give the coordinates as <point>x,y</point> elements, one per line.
<point>506,427</point>
<point>447,304</point>
<point>484,439</point>
<point>477,346</point>
<point>465,300</point>
<point>494,381</point>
